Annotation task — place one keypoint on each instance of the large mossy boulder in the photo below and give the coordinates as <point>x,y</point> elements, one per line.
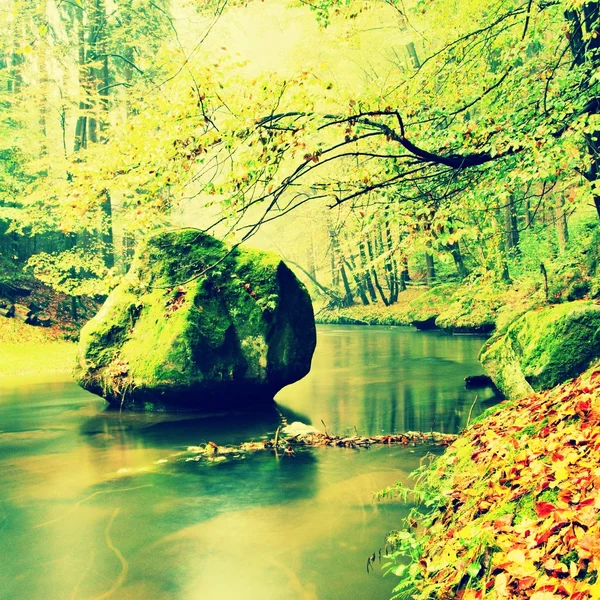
<point>543,348</point>
<point>198,325</point>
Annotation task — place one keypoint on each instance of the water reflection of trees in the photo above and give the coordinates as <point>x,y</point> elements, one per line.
<point>381,380</point>
<point>436,408</point>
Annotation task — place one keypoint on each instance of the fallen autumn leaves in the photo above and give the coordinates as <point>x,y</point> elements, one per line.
<point>517,504</point>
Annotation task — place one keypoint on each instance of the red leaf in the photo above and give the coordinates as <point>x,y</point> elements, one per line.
<point>565,496</point>
<point>542,538</point>
<point>543,509</point>
<point>587,502</point>
<point>583,406</point>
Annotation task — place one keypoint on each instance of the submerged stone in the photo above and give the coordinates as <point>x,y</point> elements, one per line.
<point>543,348</point>
<point>198,325</point>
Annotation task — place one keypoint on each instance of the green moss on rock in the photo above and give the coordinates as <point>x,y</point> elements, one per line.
<point>195,324</point>
<point>543,348</point>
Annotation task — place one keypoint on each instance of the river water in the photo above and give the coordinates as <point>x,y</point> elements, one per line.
<point>95,504</point>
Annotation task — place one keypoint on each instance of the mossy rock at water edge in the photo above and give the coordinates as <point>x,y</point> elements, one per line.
<point>543,348</point>
<point>459,309</point>
<point>423,311</point>
<point>198,325</point>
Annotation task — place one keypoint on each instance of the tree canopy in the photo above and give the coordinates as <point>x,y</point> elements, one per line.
<point>459,125</point>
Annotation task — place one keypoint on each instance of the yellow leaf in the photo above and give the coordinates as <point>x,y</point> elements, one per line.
<point>561,472</point>
<point>595,591</point>
<point>469,532</point>
<point>516,556</point>
<point>464,452</point>
<point>500,585</point>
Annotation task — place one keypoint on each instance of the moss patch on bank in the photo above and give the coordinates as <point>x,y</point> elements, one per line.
<point>37,359</point>
<point>514,505</point>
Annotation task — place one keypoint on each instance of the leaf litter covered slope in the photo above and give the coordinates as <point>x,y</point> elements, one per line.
<point>517,504</point>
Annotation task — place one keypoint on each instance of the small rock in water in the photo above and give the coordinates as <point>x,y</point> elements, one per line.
<point>298,428</point>
<point>211,449</point>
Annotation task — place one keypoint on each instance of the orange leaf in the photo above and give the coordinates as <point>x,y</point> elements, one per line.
<point>503,522</point>
<point>525,583</point>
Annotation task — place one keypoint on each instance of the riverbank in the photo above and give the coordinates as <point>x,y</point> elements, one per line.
<point>373,314</point>
<point>479,307</point>
<point>27,350</point>
<point>516,504</point>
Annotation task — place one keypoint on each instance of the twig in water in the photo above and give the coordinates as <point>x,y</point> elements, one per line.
<point>77,504</point>
<point>471,411</point>
<point>276,438</point>
<point>118,583</point>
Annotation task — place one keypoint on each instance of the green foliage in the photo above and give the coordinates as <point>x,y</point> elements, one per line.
<point>428,306</point>
<point>73,272</point>
<point>488,143</point>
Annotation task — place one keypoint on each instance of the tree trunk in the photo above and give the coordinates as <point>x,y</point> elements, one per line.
<point>404,277</point>
<point>348,299</point>
<point>312,267</point>
<point>82,126</point>
<point>366,271</point>
<point>391,265</point>
<point>412,53</point>
<point>94,81</point>
<point>562,229</point>
<point>43,82</point>
<point>374,273</point>
<point>528,214</point>
<point>107,235</point>
<point>335,274</point>
<point>15,77</point>
<point>429,269</point>
<point>360,287</point>
<point>511,227</point>
<point>387,269</point>
<point>585,49</point>
<point>501,255</point>
<point>459,262</point>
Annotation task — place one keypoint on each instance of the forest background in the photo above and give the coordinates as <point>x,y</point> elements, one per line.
<point>375,145</point>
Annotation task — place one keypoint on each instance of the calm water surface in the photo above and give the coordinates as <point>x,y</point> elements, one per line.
<point>94,504</point>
